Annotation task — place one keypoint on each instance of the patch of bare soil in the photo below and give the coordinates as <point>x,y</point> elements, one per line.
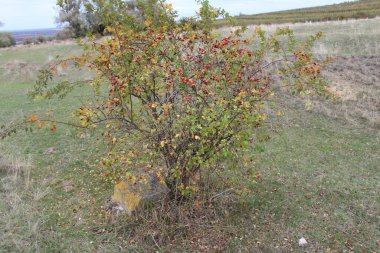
<point>19,68</point>
<point>356,83</point>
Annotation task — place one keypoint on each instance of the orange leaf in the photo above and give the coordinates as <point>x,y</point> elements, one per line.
<point>53,127</point>
<point>33,118</point>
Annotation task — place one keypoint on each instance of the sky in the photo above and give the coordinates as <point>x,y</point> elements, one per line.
<point>36,14</point>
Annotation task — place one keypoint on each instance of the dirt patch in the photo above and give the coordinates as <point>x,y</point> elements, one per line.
<point>363,70</point>
<point>20,68</point>
<point>356,82</point>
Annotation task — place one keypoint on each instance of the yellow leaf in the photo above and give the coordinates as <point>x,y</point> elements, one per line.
<point>40,124</point>
<point>147,23</point>
<point>167,107</point>
<point>110,29</point>
<point>169,7</point>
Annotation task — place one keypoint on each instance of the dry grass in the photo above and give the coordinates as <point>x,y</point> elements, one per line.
<point>356,83</point>
<point>18,213</point>
<point>69,42</point>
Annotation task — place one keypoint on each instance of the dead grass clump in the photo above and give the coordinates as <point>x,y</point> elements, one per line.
<point>196,226</point>
<point>205,222</point>
<point>19,219</point>
<point>11,166</point>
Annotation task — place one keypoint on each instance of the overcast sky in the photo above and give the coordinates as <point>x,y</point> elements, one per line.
<point>34,14</point>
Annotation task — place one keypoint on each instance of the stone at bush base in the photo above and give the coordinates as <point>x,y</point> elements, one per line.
<point>302,242</point>
<point>132,196</point>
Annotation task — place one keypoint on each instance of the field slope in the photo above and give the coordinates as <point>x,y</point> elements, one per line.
<point>347,10</point>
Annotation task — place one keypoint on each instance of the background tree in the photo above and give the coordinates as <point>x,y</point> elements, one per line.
<point>70,13</point>
<point>86,16</point>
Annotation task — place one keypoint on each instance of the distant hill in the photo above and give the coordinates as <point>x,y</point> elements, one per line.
<point>347,10</point>
<point>23,34</point>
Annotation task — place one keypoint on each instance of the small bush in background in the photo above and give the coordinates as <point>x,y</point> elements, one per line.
<point>38,40</point>
<point>64,35</point>
<point>29,41</point>
<point>41,39</point>
<point>6,40</point>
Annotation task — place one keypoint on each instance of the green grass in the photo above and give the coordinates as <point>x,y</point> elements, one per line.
<point>319,180</point>
<point>348,10</point>
<point>37,54</point>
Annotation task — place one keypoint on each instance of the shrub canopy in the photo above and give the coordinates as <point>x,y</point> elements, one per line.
<point>177,100</point>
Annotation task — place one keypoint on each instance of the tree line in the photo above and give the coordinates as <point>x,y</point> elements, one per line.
<point>83,17</point>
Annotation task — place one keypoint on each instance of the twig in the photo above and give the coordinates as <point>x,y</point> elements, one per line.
<point>221,193</point>
<point>158,246</point>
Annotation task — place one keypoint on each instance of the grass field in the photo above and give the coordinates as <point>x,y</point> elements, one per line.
<point>320,171</point>
<point>348,10</point>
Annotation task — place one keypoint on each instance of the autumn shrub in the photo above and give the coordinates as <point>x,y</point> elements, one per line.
<point>178,100</point>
